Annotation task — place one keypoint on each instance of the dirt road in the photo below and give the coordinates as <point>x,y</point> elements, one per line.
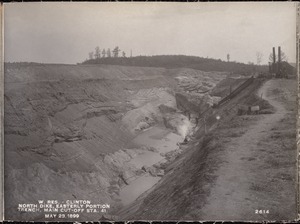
<point>256,173</point>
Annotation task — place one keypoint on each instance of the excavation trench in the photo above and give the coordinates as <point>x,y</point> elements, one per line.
<point>99,133</point>
<point>159,142</point>
<point>161,139</point>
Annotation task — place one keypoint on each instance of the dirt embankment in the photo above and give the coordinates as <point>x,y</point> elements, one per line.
<point>69,130</point>
<point>243,169</point>
<point>257,168</point>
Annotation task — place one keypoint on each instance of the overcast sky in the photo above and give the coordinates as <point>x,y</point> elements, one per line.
<point>65,32</point>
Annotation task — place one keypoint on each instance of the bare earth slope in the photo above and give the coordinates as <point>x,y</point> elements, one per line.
<point>244,181</point>
<point>69,129</point>
<point>244,169</point>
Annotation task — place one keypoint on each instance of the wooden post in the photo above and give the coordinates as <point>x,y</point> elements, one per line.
<point>274,61</point>
<point>279,62</point>
<point>274,55</point>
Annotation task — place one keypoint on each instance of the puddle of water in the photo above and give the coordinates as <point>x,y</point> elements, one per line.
<point>148,158</point>
<point>170,142</point>
<point>132,191</point>
<point>161,139</point>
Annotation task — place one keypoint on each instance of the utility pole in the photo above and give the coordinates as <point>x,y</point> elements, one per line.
<point>279,61</point>
<point>274,55</point>
<point>274,61</point>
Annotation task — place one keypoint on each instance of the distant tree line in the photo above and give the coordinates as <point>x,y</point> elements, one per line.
<point>181,61</point>
<point>106,53</point>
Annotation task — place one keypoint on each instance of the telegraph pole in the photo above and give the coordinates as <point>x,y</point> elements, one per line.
<point>274,61</point>
<point>279,62</point>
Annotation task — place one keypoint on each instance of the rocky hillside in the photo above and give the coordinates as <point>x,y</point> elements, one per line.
<point>69,129</point>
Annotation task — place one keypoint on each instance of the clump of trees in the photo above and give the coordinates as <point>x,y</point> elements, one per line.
<point>106,53</point>
<point>179,61</point>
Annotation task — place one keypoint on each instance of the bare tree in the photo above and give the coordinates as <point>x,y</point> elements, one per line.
<point>108,53</point>
<point>283,57</point>
<point>116,51</point>
<point>103,53</point>
<point>259,57</point>
<point>97,53</point>
<point>228,57</point>
<point>91,55</point>
<point>271,57</point>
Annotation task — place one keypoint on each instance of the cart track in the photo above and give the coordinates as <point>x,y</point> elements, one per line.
<point>232,197</point>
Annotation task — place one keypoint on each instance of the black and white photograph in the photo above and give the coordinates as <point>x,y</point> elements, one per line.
<point>150,111</point>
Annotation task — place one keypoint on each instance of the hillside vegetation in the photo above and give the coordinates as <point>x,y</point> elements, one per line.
<point>179,61</point>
